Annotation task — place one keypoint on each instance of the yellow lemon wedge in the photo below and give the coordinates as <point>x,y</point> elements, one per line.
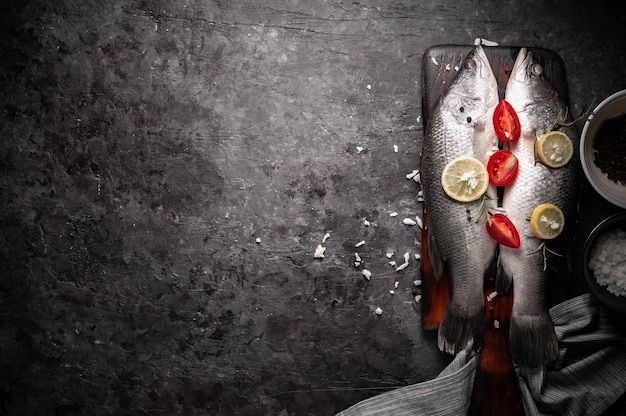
<point>465,179</point>
<point>555,149</point>
<point>547,221</point>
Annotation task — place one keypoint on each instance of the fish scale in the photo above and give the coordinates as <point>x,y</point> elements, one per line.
<point>460,125</point>
<point>532,339</point>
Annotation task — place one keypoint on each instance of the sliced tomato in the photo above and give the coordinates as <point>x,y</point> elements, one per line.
<point>505,121</point>
<point>502,167</point>
<point>501,229</point>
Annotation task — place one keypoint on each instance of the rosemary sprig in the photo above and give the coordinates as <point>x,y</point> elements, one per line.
<point>544,250</point>
<point>486,208</point>
<point>562,117</point>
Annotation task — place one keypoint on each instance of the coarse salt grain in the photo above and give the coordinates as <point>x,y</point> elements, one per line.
<point>607,260</point>
<point>412,174</point>
<point>378,311</point>
<point>408,221</point>
<point>367,274</point>
<point>360,243</point>
<point>319,252</point>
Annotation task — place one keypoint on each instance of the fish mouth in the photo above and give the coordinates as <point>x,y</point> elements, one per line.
<point>522,63</point>
<point>480,56</point>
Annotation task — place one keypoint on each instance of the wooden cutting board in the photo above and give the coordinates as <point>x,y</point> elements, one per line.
<point>496,390</point>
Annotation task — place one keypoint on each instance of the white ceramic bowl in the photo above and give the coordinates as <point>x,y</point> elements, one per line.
<point>612,106</point>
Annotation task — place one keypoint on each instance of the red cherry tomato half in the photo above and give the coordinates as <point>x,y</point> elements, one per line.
<point>502,167</point>
<point>505,121</point>
<point>501,229</point>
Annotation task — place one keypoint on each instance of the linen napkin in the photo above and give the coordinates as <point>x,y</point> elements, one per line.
<point>586,379</point>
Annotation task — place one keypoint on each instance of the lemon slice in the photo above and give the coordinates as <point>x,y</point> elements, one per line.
<point>465,179</point>
<point>547,221</point>
<point>555,149</point>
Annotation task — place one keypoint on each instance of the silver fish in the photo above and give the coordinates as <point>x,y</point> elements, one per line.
<point>460,124</point>
<point>532,339</point>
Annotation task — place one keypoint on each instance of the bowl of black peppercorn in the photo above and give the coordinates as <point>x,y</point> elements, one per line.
<point>603,149</point>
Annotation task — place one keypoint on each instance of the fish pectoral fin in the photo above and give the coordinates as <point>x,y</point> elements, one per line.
<point>532,340</point>
<point>435,258</point>
<point>503,280</point>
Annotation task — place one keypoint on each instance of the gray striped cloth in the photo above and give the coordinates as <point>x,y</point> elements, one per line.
<point>588,377</point>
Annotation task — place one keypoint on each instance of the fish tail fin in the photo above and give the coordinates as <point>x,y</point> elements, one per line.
<point>461,330</point>
<point>435,259</point>
<point>532,340</point>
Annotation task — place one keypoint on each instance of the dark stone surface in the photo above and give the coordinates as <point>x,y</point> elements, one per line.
<point>145,145</point>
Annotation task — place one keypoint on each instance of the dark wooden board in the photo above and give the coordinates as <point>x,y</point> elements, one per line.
<point>439,67</point>
<point>495,377</point>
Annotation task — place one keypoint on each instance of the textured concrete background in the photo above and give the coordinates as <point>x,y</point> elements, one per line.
<point>146,145</point>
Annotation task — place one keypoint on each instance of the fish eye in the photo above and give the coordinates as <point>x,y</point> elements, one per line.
<point>537,69</point>
<point>462,109</point>
<point>470,64</point>
<point>469,119</point>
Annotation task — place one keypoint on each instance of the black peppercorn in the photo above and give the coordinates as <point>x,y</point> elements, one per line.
<point>610,148</point>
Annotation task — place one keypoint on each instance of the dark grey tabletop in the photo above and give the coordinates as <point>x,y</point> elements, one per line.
<point>169,169</point>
